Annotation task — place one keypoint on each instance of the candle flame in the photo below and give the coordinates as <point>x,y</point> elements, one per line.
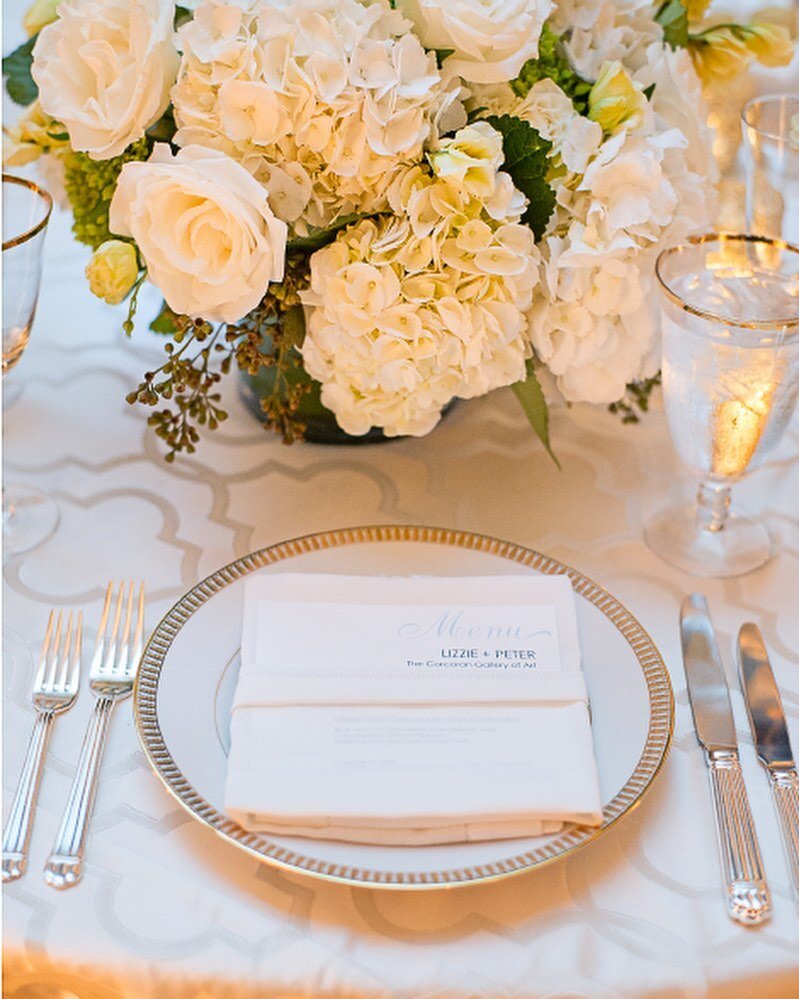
<point>737,428</point>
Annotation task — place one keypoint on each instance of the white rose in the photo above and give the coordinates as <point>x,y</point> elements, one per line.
<point>105,68</point>
<point>491,39</point>
<point>205,229</point>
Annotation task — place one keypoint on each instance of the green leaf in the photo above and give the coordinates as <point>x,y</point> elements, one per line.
<point>442,54</point>
<point>318,238</point>
<point>648,91</point>
<point>164,322</point>
<point>673,18</point>
<point>182,14</point>
<point>535,408</point>
<point>164,129</point>
<point>526,162</point>
<point>20,85</point>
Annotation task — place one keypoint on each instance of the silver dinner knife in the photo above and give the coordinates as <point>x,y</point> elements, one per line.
<point>748,898</point>
<point>770,733</point>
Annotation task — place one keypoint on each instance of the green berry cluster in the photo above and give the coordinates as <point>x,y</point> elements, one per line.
<point>553,64</point>
<point>90,185</point>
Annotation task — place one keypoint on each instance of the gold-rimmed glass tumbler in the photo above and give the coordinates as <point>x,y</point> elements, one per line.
<point>730,321</point>
<point>29,516</point>
<point>771,156</point>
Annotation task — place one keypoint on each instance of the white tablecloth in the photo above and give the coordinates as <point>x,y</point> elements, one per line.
<point>166,909</point>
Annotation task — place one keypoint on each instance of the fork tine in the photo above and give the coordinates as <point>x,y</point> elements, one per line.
<point>113,655</point>
<point>61,667</point>
<point>39,679</point>
<point>77,650</point>
<point>99,647</point>
<point>52,664</point>
<point>135,656</point>
<point>124,652</point>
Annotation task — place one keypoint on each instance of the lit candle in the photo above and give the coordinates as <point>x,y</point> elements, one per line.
<point>738,425</point>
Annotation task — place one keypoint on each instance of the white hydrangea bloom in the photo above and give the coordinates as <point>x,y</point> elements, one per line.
<point>619,200</point>
<point>412,310</point>
<point>323,101</point>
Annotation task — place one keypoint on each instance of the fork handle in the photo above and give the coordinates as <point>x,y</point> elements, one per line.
<point>64,866</point>
<point>20,819</point>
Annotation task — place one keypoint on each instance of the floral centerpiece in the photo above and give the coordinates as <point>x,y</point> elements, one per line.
<point>381,206</point>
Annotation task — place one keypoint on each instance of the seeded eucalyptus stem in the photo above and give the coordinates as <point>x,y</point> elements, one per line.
<point>268,337</point>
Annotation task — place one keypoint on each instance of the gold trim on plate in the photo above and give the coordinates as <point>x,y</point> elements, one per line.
<point>145,697</point>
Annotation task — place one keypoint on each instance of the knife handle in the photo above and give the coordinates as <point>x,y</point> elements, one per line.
<point>748,899</point>
<point>785,788</point>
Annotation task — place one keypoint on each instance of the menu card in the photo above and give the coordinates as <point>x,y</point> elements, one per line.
<point>410,710</point>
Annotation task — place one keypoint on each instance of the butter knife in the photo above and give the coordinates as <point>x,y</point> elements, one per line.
<point>748,898</point>
<point>767,718</point>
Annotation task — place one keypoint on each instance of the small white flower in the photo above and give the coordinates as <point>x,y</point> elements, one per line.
<point>204,228</point>
<point>104,69</point>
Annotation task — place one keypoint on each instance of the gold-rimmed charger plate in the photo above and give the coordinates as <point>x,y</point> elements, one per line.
<point>187,676</point>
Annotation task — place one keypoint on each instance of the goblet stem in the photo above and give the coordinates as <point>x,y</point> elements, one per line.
<point>712,506</point>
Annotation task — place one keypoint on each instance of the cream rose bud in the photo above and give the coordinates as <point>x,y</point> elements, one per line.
<point>40,13</point>
<point>472,157</point>
<point>615,100</point>
<point>113,270</point>
<point>490,39</point>
<point>205,229</point>
<point>104,69</point>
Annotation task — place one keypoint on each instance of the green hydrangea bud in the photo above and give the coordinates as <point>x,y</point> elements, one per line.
<point>113,270</point>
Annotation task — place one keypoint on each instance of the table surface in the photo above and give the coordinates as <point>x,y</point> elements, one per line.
<point>165,908</point>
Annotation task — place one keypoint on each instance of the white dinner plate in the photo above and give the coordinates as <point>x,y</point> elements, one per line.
<point>188,673</point>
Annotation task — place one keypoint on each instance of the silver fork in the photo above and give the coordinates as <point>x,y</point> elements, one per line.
<point>54,690</point>
<point>113,670</point>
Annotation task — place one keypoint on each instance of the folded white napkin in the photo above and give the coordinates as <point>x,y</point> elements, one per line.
<point>410,710</point>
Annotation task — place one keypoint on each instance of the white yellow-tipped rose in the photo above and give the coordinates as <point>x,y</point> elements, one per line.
<point>770,44</point>
<point>696,9</point>
<point>113,270</point>
<point>39,14</point>
<point>719,54</point>
<point>472,157</point>
<point>34,134</point>
<point>615,100</point>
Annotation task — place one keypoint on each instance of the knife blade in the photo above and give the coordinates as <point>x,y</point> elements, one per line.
<point>748,898</point>
<point>772,742</point>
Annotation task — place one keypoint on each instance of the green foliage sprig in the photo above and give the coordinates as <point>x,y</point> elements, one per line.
<point>636,399</point>
<point>553,64</point>
<point>20,85</point>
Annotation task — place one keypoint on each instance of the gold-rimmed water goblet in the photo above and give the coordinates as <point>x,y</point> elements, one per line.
<point>29,515</point>
<point>730,320</point>
<point>770,127</point>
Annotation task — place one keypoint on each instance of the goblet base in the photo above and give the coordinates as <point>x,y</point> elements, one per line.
<point>29,518</point>
<point>740,546</point>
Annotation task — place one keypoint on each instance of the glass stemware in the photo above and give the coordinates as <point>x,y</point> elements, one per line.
<point>771,153</point>
<point>730,310</point>
<point>29,517</point>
